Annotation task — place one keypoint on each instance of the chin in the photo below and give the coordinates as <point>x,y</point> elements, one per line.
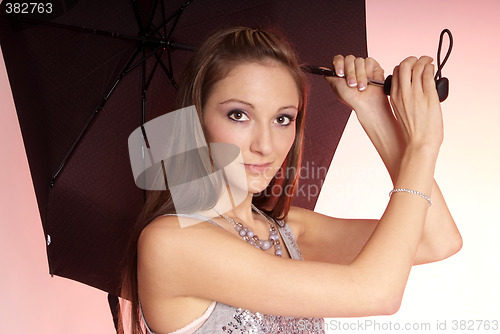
<point>257,185</point>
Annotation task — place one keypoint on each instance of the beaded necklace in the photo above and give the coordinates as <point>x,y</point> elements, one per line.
<point>249,236</point>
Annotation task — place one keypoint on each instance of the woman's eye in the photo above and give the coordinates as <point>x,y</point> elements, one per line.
<point>283,120</point>
<point>237,115</point>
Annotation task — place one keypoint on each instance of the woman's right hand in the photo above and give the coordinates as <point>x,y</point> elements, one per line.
<point>416,103</point>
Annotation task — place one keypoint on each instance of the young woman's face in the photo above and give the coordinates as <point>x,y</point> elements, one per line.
<point>255,108</point>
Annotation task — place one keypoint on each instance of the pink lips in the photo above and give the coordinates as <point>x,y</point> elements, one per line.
<point>258,168</point>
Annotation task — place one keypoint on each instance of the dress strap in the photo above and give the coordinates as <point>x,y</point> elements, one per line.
<point>144,320</point>
<point>290,241</point>
<point>190,328</point>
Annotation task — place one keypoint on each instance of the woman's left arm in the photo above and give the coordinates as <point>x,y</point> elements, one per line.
<point>441,237</point>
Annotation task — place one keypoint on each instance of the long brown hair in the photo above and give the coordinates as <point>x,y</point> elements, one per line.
<point>212,62</point>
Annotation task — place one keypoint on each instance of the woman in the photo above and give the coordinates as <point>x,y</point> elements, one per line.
<point>215,275</point>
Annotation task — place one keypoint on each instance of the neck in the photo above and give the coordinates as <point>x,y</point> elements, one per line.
<point>243,210</point>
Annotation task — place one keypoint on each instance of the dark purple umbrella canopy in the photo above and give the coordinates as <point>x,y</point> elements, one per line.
<point>85,74</point>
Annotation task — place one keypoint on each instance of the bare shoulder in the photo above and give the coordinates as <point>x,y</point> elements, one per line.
<point>167,266</point>
<point>168,230</point>
<point>165,237</point>
<point>164,245</point>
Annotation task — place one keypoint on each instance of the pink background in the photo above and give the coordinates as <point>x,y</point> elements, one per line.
<point>461,288</point>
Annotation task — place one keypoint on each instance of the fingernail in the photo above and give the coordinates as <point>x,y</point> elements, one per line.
<point>340,73</point>
<point>361,87</point>
<point>352,83</point>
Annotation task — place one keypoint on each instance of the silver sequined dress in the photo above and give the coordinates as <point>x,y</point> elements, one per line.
<point>222,318</point>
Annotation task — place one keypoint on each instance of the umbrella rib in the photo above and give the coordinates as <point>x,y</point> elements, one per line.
<point>132,67</point>
<point>146,141</point>
<point>90,121</point>
<point>94,31</point>
<point>164,173</point>
<point>177,17</point>
<point>152,15</point>
<point>164,27</point>
<point>137,16</point>
<point>151,18</point>
<point>167,72</point>
<point>143,111</point>
<point>150,154</point>
<point>144,89</point>
<point>169,57</point>
<point>139,10</point>
<point>176,14</point>
<point>150,78</point>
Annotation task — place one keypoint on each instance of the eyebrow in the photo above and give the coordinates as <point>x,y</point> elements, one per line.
<point>252,106</point>
<point>239,101</point>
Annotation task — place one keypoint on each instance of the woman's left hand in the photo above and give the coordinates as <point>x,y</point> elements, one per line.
<point>351,86</point>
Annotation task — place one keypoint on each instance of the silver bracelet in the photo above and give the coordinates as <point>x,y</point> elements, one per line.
<point>398,190</point>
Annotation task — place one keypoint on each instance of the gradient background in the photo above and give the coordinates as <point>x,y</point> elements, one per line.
<point>464,287</point>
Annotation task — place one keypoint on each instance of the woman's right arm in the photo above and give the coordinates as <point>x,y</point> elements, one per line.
<point>417,109</point>
<point>207,262</point>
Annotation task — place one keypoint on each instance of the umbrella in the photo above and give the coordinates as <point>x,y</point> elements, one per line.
<point>85,74</point>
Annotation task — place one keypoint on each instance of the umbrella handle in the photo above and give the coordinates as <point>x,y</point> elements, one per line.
<point>442,84</point>
<point>442,87</point>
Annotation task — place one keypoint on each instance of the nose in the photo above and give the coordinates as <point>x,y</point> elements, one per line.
<point>262,140</point>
